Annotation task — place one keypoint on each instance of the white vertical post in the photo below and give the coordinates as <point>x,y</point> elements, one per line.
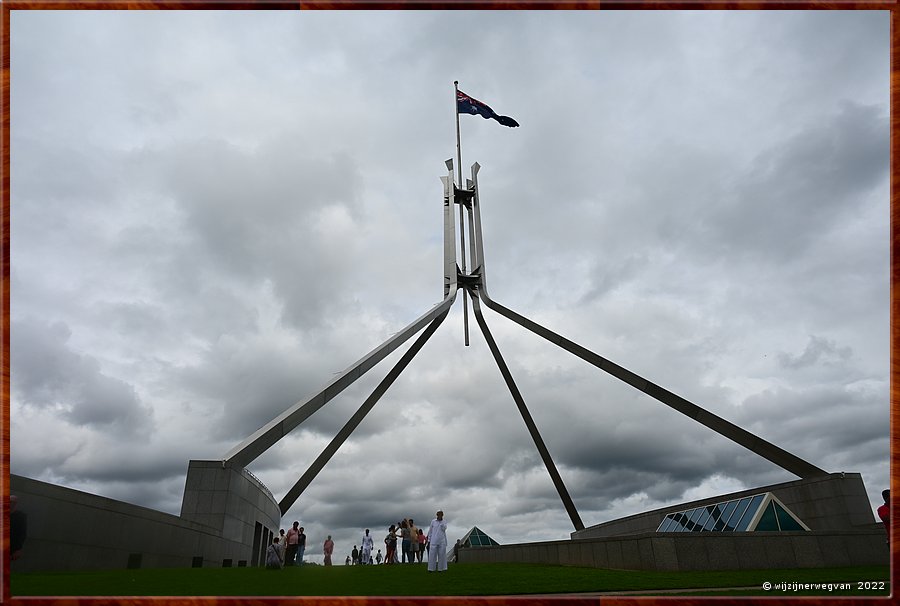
<point>462,229</point>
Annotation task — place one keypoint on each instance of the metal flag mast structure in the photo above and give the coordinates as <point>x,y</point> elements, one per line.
<point>474,283</point>
<point>462,231</point>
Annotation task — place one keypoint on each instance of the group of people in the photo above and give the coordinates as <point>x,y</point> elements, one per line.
<point>414,543</point>
<point>287,548</point>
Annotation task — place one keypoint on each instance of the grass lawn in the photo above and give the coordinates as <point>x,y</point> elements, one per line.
<point>414,580</point>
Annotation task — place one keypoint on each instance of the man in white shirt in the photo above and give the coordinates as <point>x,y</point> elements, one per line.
<point>367,544</point>
<point>437,541</point>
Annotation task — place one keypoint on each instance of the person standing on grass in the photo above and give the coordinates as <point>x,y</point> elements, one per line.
<point>413,541</point>
<point>367,544</point>
<point>293,539</point>
<point>328,549</point>
<point>378,557</point>
<point>355,554</point>
<point>273,556</point>
<point>405,543</point>
<point>301,547</point>
<point>437,541</point>
<point>390,542</point>
<point>421,540</point>
<point>884,512</point>
<point>281,546</point>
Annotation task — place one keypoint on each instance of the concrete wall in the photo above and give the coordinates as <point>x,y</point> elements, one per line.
<point>73,530</point>
<point>835,507</point>
<point>230,499</point>
<point>834,502</point>
<point>709,551</point>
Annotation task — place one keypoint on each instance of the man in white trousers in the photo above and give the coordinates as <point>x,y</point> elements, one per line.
<point>437,542</point>
<point>367,544</point>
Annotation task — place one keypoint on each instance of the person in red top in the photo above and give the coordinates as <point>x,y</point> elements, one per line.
<point>884,512</point>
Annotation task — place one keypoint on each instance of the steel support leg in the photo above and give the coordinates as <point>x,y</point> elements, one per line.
<point>526,416</point>
<point>763,448</point>
<point>267,435</point>
<point>297,489</point>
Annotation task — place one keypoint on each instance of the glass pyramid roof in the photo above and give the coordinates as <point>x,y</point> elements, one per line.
<point>757,513</point>
<point>477,538</point>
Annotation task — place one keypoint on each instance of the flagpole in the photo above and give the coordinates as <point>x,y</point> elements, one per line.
<point>462,233</point>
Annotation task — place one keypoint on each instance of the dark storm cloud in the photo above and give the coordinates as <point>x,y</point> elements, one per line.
<point>46,373</point>
<point>118,463</point>
<point>813,181</point>
<point>843,417</point>
<point>251,382</point>
<point>215,213</point>
<point>264,214</point>
<point>818,349</point>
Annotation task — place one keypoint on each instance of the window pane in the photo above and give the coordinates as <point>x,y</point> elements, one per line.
<point>701,521</point>
<point>667,521</point>
<point>748,515</point>
<point>693,516</point>
<point>736,516</point>
<point>715,512</point>
<point>729,509</point>
<point>769,521</point>
<point>785,521</point>
<point>678,522</point>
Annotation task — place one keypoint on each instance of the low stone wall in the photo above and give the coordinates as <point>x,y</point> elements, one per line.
<point>74,530</point>
<point>709,551</point>
<point>836,501</point>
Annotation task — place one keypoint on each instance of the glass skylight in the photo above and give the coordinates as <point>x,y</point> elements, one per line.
<point>762,512</point>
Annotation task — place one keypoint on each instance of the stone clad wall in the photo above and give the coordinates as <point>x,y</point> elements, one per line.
<point>230,499</point>
<point>836,501</point>
<point>74,530</point>
<point>835,507</point>
<point>708,551</point>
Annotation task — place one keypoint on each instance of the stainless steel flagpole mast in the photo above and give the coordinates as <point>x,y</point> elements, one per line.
<point>462,232</point>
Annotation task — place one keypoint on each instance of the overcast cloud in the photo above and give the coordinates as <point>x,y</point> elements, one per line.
<point>215,212</point>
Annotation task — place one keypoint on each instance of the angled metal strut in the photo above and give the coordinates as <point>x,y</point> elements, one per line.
<point>270,433</point>
<point>526,416</point>
<point>357,418</point>
<point>763,448</point>
<point>475,284</point>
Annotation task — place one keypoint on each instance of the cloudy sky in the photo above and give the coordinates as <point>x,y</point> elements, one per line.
<point>215,212</point>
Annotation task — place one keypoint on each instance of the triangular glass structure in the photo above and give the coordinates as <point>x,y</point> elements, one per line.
<point>477,538</point>
<point>757,513</point>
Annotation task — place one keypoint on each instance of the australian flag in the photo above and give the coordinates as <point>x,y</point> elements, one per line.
<point>468,105</point>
